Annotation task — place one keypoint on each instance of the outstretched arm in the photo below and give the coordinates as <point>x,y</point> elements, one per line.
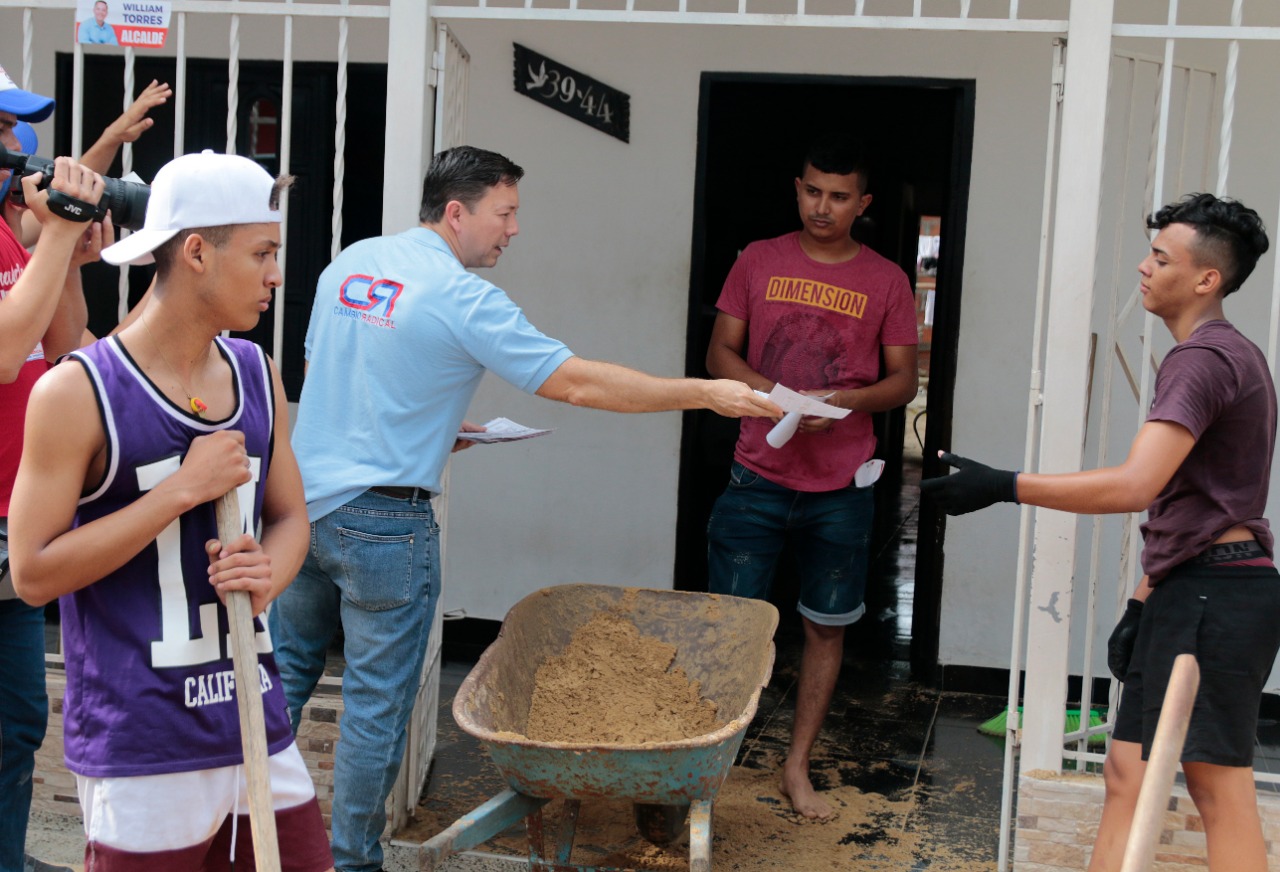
<point>897,388</point>
<point>1155,455</point>
<point>131,124</point>
<point>127,128</point>
<point>599,385</point>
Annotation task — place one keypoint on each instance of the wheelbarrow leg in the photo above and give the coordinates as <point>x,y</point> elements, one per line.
<point>535,826</point>
<point>477,827</point>
<point>700,836</point>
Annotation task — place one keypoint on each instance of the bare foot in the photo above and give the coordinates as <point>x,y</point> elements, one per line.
<point>804,799</point>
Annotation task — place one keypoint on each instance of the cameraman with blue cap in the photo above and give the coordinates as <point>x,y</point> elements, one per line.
<point>131,124</point>
<point>42,316</point>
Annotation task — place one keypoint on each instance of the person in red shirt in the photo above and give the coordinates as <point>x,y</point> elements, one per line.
<point>814,311</point>
<point>42,316</point>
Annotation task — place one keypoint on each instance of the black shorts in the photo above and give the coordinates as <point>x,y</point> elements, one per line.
<point>1229,618</point>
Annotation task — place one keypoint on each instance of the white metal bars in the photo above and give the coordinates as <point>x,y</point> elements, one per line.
<point>286,156</point>
<point>770,13</point>
<point>1135,87</point>
<point>1013,718</point>
<point>340,136</point>
<point>1075,221</point>
<point>261,11</point>
<point>1164,138</point>
<point>451,64</point>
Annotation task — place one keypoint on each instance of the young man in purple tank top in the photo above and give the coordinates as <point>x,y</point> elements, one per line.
<point>128,445</point>
<point>1200,466</point>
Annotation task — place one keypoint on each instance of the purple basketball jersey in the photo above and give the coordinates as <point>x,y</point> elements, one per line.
<point>150,683</point>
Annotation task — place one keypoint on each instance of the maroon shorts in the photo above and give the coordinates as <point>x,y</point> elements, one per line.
<point>304,847</point>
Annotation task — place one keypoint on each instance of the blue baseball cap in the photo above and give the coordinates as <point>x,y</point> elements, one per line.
<point>23,104</point>
<point>27,137</point>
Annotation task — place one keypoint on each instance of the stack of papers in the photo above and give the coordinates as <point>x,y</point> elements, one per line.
<point>503,430</point>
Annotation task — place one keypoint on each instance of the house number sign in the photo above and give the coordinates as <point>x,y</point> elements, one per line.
<point>577,95</point>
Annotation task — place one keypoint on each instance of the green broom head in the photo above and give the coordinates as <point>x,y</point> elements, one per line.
<point>999,725</point>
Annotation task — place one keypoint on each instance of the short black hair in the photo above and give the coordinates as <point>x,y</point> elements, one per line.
<point>464,174</point>
<point>1229,235</point>
<point>839,154</point>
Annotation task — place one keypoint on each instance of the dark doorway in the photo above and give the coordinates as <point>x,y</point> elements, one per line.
<point>259,103</point>
<point>753,130</point>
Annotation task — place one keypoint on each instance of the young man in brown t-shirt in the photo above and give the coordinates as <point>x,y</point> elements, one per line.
<point>1200,466</point>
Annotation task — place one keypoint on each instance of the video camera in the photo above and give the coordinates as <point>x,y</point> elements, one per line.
<point>126,200</point>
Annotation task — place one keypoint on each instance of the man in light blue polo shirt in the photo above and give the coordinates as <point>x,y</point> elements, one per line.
<point>97,31</point>
<point>399,339</point>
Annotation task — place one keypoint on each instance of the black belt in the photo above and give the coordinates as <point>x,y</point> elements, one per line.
<point>1229,552</point>
<point>402,493</point>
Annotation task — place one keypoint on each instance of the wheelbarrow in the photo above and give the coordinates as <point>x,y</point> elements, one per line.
<point>725,643</point>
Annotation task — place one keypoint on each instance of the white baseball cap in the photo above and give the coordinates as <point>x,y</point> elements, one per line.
<point>22,104</point>
<point>198,190</point>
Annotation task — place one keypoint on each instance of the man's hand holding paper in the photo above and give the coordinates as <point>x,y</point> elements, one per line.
<point>805,411</point>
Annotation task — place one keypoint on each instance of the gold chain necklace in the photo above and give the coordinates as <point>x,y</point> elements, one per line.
<point>198,406</point>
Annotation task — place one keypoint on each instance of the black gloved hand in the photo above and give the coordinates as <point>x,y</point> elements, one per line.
<point>1120,644</point>
<point>973,486</point>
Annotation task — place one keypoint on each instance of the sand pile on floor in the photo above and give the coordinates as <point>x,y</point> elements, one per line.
<point>613,685</point>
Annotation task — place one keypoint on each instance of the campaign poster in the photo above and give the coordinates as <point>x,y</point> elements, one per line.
<point>124,23</point>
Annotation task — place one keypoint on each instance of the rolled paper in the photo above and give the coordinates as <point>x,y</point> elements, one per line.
<point>783,430</point>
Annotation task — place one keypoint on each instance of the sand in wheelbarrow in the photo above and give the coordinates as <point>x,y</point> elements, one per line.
<point>614,685</point>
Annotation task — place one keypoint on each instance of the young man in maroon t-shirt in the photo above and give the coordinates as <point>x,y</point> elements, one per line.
<point>1200,466</point>
<point>815,311</point>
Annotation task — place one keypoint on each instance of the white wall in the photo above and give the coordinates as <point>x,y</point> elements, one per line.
<point>563,489</point>
<point>603,263</point>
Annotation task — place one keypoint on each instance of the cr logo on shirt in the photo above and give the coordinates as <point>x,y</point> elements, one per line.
<point>368,294</point>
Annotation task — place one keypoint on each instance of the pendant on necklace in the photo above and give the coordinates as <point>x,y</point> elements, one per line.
<point>198,406</point>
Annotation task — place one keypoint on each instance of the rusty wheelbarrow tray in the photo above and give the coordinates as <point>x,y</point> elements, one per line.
<point>723,642</point>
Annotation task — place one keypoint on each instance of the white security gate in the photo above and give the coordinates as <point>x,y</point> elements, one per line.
<point>449,66</point>
<point>1167,132</point>
<point>1121,357</point>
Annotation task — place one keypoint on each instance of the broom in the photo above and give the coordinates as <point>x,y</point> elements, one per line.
<point>999,725</point>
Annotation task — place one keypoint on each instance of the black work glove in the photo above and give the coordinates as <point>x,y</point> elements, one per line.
<point>973,486</point>
<point>1120,645</point>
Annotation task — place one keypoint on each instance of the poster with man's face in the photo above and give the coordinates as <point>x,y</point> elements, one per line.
<point>126,23</point>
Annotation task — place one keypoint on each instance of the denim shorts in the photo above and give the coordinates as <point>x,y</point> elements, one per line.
<point>827,534</point>
<point>1229,618</point>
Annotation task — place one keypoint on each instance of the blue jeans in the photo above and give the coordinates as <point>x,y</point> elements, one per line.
<point>24,714</point>
<point>828,532</point>
<point>374,567</point>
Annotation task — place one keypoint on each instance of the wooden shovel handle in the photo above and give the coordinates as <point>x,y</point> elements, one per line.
<point>253,727</point>
<point>1162,764</point>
